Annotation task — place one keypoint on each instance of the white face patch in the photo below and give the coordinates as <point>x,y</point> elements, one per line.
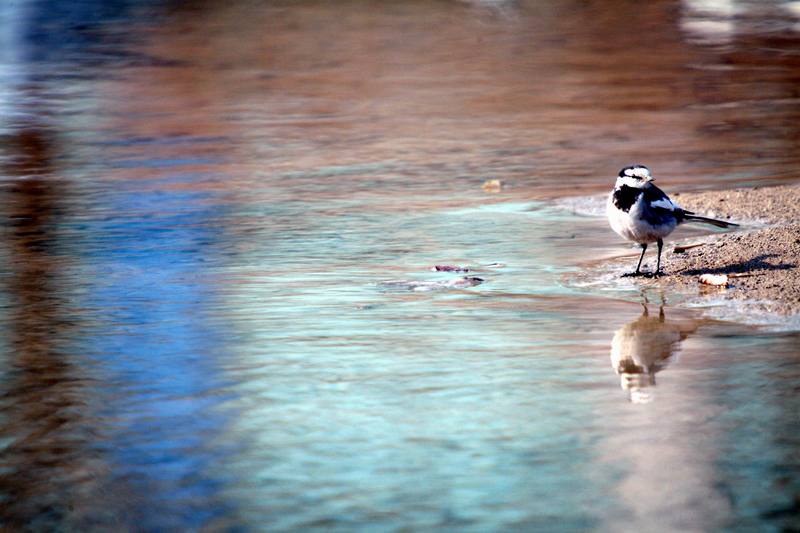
<point>630,181</point>
<point>640,172</point>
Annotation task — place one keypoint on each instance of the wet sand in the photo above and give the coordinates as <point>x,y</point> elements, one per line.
<point>766,248</point>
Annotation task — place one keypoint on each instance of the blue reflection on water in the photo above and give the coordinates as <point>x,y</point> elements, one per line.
<point>75,31</point>
<point>158,345</point>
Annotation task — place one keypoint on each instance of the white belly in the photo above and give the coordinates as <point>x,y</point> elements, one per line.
<point>630,225</point>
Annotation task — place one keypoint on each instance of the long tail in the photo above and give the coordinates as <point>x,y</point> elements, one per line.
<point>691,217</point>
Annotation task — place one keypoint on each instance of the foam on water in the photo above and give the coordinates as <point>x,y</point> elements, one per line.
<point>593,206</point>
<point>752,312</point>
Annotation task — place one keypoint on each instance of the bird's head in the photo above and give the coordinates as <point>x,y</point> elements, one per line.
<point>636,176</point>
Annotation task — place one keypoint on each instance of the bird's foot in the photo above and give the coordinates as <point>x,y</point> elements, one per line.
<point>634,274</point>
<point>640,274</point>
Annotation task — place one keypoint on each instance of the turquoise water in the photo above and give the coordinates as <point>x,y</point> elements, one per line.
<point>203,206</point>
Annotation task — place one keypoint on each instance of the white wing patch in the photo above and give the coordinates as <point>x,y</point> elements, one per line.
<point>664,203</point>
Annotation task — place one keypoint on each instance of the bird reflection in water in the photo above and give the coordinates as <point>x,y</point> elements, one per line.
<point>644,347</point>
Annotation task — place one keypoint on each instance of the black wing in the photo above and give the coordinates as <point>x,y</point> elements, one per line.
<point>658,208</point>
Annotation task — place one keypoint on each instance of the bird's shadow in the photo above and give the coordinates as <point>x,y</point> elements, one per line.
<point>756,263</point>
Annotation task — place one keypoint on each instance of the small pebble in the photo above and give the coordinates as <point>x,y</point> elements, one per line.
<point>492,185</point>
<point>718,280</point>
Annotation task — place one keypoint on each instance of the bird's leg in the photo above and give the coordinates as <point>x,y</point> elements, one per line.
<point>639,265</point>
<point>658,261</point>
<point>657,272</point>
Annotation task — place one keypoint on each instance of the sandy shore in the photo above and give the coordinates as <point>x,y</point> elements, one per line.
<point>766,249</point>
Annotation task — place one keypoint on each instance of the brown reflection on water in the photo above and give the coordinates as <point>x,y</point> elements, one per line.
<point>46,464</point>
<point>436,97</point>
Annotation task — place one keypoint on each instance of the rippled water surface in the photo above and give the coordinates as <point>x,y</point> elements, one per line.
<point>203,203</point>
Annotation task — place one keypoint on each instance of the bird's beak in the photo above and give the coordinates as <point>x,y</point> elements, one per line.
<point>648,179</point>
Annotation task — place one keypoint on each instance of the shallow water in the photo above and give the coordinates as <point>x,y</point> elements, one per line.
<point>203,203</point>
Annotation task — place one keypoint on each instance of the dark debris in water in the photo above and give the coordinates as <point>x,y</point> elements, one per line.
<point>460,268</point>
<point>450,268</point>
<point>427,286</point>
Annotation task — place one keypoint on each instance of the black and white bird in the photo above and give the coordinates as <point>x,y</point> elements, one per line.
<point>640,212</point>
